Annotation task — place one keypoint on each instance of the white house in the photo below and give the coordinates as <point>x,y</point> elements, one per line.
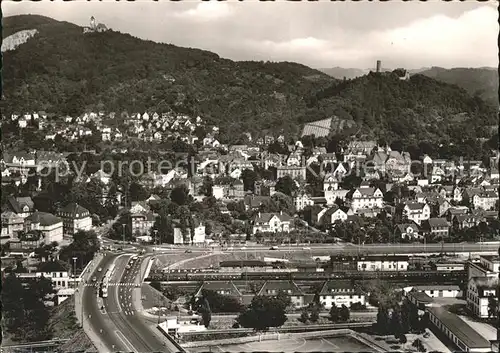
<point>302,201</point>
<point>218,191</point>
<point>417,212</point>
<point>75,218</point>
<point>479,290</point>
<point>330,182</point>
<point>440,291</point>
<point>50,226</point>
<point>332,215</point>
<point>340,292</point>
<point>383,263</point>
<point>332,195</point>
<point>408,231</point>
<point>272,222</point>
<point>106,134</point>
<point>485,200</point>
<point>364,198</point>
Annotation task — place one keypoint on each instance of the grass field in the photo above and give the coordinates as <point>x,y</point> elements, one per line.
<point>289,345</point>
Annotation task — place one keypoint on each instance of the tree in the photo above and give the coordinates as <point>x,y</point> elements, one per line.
<point>25,315</point>
<point>286,185</point>
<point>395,323</point>
<point>403,339</point>
<point>492,306</point>
<point>219,303</point>
<point>382,320</point>
<point>163,227</point>
<point>263,312</point>
<point>85,244</point>
<point>344,313</point>
<point>206,312</point>
<point>419,345</point>
<point>304,316</point>
<point>249,177</point>
<point>180,195</point>
<point>138,192</point>
<point>207,186</point>
<point>334,313</point>
<point>208,228</point>
<point>314,317</point>
<point>284,299</point>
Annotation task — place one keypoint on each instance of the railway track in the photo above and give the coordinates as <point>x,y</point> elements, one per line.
<point>426,276</point>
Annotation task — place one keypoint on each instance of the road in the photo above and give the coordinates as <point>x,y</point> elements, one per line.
<point>134,333</point>
<point>101,326</point>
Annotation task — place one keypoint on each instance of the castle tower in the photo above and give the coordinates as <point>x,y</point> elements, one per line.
<point>379,66</point>
<point>92,23</point>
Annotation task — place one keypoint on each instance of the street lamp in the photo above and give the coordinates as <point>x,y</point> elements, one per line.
<point>74,272</point>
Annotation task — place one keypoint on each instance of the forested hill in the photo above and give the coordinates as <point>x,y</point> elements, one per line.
<point>63,70</point>
<point>477,81</point>
<point>418,109</point>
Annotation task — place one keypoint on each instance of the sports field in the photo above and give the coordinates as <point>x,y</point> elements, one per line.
<point>331,344</point>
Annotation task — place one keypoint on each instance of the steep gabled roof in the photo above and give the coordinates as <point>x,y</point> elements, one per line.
<point>75,209</point>
<point>45,219</point>
<point>281,286</point>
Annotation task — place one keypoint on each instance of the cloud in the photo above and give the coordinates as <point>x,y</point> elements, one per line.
<point>349,34</point>
<point>206,11</point>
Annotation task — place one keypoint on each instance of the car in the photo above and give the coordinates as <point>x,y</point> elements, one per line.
<point>243,248</point>
<point>273,248</point>
<point>127,267</point>
<point>99,269</point>
<point>188,251</point>
<point>306,248</point>
<point>94,279</point>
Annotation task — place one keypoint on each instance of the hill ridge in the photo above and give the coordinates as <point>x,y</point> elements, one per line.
<point>63,71</point>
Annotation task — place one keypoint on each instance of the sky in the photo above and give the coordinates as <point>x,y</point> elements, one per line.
<point>319,34</point>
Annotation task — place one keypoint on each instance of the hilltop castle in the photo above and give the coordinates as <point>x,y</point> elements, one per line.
<point>95,28</point>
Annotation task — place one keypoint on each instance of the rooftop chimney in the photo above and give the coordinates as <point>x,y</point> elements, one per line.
<point>379,66</point>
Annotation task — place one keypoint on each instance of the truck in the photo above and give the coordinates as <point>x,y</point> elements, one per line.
<point>105,291</point>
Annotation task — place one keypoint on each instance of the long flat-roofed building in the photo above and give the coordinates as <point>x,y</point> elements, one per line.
<point>458,331</point>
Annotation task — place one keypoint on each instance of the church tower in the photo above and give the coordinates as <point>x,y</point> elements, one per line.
<point>92,23</point>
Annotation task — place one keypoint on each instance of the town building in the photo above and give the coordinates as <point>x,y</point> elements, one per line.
<point>49,225</point>
<point>383,263</point>
<point>458,331</point>
<point>22,206</point>
<point>417,212</point>
<point>296,173</point>
<point>11,224</point>
<point>364,198</point>
<point>272,222</point>
<point>480,290</point>
<point>437,227</point>
<point>340,292</point>
<point>75,218</point>
<point>408,231</point>
<point>440,291</point>
<point>273,288</point>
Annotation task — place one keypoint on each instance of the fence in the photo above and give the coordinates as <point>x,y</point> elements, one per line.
<point>276,336</point>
